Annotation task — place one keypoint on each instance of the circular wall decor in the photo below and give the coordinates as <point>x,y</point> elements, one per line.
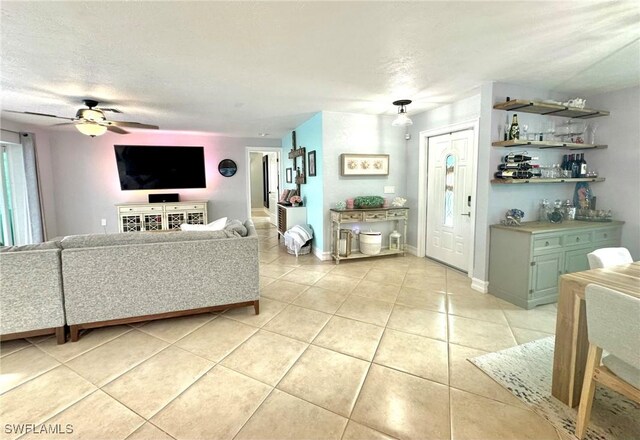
<point>227,167</point>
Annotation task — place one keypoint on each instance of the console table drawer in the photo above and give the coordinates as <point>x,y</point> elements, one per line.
<point>183,207</point>
<point>350,217</point>
<point>397,213</point>
<point>375,216</point>
<point>577,239</point>
<point>547,243</point>
<point>126,209</point>
<point>606,234</point>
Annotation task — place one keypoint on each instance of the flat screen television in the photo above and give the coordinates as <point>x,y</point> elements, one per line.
<point>151,167</point>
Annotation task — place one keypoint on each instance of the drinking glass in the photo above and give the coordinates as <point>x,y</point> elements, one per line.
<point>550,130</point>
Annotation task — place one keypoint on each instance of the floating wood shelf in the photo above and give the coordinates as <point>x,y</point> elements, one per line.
<point>547,144</point>
<point>543,108</point>
<point>539,180</point>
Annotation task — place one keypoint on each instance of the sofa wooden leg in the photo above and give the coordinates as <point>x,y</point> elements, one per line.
<point>74,333</point>
<point>256,306</point>
<point>60,335</point>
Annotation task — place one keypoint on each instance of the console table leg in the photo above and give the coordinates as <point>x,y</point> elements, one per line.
<point>256,306</point>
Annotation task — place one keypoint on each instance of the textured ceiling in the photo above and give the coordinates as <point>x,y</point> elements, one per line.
<point>240,68</point>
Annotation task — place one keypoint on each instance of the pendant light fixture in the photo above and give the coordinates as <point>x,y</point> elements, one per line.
<point>402,120</point>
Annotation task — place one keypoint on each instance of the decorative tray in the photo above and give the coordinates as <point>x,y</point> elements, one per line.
<point>593,219</point>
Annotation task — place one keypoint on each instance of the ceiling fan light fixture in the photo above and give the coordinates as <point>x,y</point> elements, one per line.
<point>402,120</point>
<point>91,115</point>
<point>91,129</point>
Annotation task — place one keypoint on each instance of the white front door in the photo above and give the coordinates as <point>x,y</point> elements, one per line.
<point>449,204</point>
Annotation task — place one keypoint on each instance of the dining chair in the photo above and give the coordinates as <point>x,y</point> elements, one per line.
<point>612,325</point>
<point>606,257</point>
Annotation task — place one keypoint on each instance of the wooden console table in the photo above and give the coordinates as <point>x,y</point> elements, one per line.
<point>570,354</point>
<point>340,217</point>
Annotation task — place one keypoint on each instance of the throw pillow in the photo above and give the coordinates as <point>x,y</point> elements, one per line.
<point>217,225</point>
<point>237,227</point>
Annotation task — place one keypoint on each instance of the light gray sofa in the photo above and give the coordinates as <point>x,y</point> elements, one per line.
<point>113,279</point>
<point>31,302</point>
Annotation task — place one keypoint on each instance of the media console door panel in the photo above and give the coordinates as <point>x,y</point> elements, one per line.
<point>134,217</point>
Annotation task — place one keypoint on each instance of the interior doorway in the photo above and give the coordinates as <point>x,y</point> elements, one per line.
<point>447,195</point>
<point>263,184</point>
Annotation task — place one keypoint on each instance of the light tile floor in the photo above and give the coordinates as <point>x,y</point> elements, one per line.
<point>371,349</point>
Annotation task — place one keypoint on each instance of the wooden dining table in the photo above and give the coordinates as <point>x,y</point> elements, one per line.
<point>570,354</point>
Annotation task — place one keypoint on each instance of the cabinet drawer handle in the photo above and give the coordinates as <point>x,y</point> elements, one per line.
<point>577,238</point>
<point>606,235</point>
<point>546,243</point>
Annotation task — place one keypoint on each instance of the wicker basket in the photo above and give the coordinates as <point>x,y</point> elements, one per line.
<point>304,250</point>
<point>370,242</point>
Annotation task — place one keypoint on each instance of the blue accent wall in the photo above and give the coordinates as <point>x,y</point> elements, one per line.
<point>309,136</point>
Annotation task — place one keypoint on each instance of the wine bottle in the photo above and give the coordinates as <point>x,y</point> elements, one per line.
<point>510,158</point>
<point>575,166</point>
<point>515,174</point>
<point>583,166</point>
<point>563,166</point>
<point>514,130</point>
<point>515,166</point>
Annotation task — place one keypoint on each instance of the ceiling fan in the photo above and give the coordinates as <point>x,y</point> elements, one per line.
<point>92,120</point>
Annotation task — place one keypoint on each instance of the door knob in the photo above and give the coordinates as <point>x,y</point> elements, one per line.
<point>468,214</point>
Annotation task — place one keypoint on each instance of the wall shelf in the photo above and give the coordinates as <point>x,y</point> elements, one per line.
<point>548,144</point>
<point>543,108</point>
<point>558,180</point>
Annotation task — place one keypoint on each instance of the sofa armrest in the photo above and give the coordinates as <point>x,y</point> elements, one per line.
<point>30,291</point>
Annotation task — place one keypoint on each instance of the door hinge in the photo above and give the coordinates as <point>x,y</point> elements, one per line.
<point>530,291</point>
<point>533,263</point>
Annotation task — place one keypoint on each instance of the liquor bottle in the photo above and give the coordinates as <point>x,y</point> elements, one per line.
<point>583,166</point>
<point>511,158</point>
<point>515,166</point>
<point>514,131</point>
<point>563,166</point>
<point>515,174</point>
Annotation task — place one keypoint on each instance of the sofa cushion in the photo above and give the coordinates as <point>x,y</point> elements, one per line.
<point>32,247</point>
<point>128,238</point>
<point>236,226</point>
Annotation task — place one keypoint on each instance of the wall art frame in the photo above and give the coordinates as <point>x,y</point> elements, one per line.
<point>312,163</point>
<point>364,164</point>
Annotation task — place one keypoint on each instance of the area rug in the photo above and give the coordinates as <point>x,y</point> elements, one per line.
<point>526,371</point>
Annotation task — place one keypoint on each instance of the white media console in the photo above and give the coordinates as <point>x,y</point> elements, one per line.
<point>136,217</point>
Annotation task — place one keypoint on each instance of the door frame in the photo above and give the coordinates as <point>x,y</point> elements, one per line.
<point>470,124</point>
<point>247,164</point>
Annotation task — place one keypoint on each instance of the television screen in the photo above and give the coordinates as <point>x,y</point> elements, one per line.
<point>147,167</point>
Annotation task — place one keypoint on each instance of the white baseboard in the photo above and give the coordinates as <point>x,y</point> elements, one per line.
<point>411,249</point>
<point>324,256</point>
<point>479,285</point>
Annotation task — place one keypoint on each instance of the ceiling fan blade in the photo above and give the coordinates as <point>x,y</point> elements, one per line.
<point>118,130</point>
<point>63,123</point>
<point>39,114</point>
<point>113,110</point>
<point>133,125</point>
